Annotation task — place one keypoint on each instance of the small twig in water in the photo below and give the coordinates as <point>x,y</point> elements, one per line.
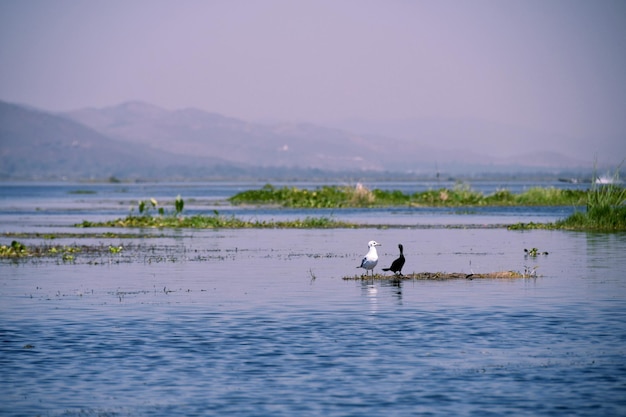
<point>530,272</point>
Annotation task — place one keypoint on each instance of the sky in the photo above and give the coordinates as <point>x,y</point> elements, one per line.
<point>550,65</point>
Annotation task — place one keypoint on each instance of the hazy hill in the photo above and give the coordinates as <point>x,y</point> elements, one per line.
<point>195,132</point>
<point>40,145</point>
<point>139,140</point>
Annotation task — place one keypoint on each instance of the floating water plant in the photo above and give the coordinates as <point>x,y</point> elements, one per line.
<point>534,252</point>
<point>531,226</point>
<point>217,221</point>
<point>66,253</point>
<point>605,207</point>
<point>360,196</point>
<point>15,249</point>
<point>82,192</point>
<point>214,221</point>
<point>105,235</point>
<point>115,249</point>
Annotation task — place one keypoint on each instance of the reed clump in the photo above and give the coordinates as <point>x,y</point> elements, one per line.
<point>605,210</point>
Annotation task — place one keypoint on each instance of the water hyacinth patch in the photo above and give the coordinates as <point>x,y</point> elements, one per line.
<point>217,221</point>
<point>360,196</point>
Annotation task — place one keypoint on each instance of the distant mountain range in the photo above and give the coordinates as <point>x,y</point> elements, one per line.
<point>139,140</point>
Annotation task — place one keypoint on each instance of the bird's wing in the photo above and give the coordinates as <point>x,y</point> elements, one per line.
<point>397,264</point>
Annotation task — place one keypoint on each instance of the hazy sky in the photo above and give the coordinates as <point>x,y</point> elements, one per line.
<point>555,65</point>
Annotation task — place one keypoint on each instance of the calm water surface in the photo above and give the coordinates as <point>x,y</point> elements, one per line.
<point>261,322</point>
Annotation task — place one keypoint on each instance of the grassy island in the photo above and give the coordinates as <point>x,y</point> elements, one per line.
<point>601,208</point>
<point>360,196</point>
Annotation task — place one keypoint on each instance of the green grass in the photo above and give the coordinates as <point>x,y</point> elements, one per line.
<point>605,207</point>
<point>322,197</point>
<point>217,221</point>
<point>359,196</point>
<point>605,211</point>
<point>175,219</point>
<point>81,192</point>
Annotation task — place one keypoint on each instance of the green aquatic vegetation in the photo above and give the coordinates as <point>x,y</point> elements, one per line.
<point>144,207</point>
<point>550,196</point>
<point>443,197</point>
<point>360,196</point>
<point>66,235</point>
<point>500,197</point>
<point>115,249</point>
<point>606,211</point>
<point>532,226</point>
<point>82,192</point>
<point>75,253</point>
<point>534,252</point>
<point>15,249</point>
<point>18,250</point>
<point>393,197</point>
<point>322,197</point>
<point>175,219</point>
<point>217,221</point>
<point>179,204</point>
<point>605,208</point>
<point>462,195</point>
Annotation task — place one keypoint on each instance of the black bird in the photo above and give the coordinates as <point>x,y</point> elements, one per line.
<point>396,266</point>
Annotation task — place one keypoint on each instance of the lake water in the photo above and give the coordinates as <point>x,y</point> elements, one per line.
<point>261,322</point>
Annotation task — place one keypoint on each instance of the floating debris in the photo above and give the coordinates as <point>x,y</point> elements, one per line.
<point>438,276</point>
<point>530,271</point>
<point>534,252</point>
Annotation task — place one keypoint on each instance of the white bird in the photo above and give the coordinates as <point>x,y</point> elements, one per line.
<point>371,257</point>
